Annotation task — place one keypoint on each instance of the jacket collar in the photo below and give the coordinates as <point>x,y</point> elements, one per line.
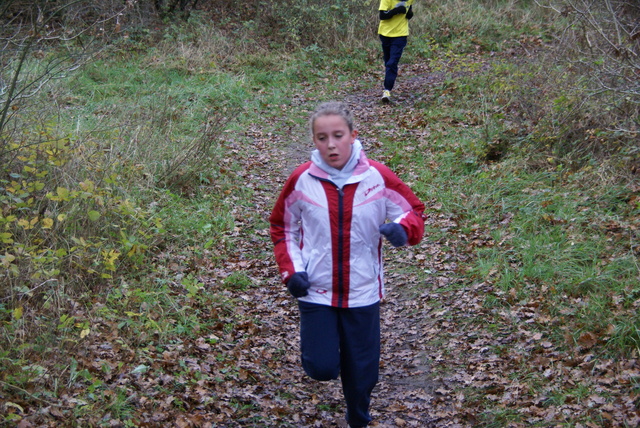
<point>354,171</point>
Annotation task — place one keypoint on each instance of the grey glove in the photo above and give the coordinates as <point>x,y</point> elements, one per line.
<point>401,4</point>
<point>298,284</point>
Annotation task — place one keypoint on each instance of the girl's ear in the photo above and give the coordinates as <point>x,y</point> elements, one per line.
<point>354,134</point>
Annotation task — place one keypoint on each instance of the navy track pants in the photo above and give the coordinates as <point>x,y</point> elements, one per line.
<point>345,342</point>
<point>392,48</point>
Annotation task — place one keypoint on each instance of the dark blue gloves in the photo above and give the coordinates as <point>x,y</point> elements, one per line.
<point>298,284</point>
<point>394,234</point>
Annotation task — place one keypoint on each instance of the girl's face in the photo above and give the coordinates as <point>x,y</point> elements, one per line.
<point>333,139</point>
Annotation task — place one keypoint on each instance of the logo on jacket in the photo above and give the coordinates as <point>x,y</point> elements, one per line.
<point>371,189</point>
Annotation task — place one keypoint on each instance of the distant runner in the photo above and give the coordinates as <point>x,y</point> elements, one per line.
<point>393,31</point>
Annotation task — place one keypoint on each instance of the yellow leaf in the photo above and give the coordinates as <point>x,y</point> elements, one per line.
<point>47,223</point>
<point>62,217</point>
<point>7,259</point>
<point>84,333</point>
<point>14,405</point>
<point>63,193</point>
<point>17,313</point>
<point>135,249</point>
<point>110,258</point>
<point>87,186</point>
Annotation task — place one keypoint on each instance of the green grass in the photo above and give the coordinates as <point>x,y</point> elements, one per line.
<point>551,240</point>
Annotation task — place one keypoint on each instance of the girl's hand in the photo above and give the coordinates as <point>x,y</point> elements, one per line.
<point>394,233</point>
<point>298,284</point>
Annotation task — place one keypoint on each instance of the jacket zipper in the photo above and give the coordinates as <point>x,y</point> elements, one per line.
<point>340,241</point>
<point>340,246</point>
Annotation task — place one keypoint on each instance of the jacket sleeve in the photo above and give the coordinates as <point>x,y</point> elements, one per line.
<point>285,228</point>
<point>403,206</point>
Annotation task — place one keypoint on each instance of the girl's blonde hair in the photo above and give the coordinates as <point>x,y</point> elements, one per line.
<point>330,108</point>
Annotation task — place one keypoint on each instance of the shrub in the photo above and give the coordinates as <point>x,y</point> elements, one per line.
<point>65,219</point>
<point>589,101</point>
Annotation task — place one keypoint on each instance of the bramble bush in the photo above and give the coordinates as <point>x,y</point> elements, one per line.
<point>64,219</point>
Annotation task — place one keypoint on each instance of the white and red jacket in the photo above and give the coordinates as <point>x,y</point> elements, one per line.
<point>332,233</point>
